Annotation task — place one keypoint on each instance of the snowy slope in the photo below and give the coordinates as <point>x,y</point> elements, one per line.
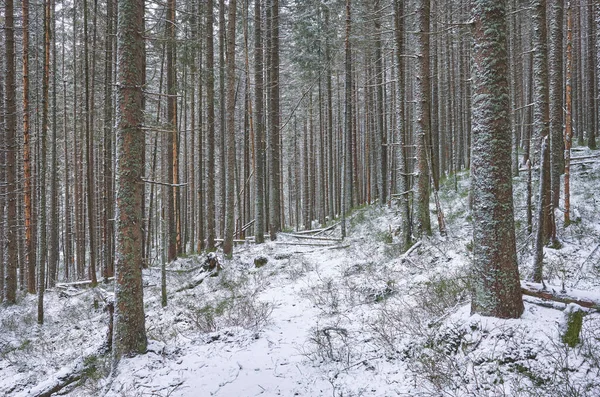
<point>329,318</point>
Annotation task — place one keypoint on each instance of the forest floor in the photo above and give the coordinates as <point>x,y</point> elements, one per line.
<point>332,318</point>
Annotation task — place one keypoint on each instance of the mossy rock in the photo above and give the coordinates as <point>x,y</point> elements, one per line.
<point>573,330</point>
<point>260,261</point>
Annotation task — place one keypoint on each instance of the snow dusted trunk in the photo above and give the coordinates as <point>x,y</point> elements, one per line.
<point>230,192</point>
<point>210,130</point>
<point>496,285</point>
<point>568,114</point>
<point>259,125</point>
<point>422,115</point>
<point>274,136</point>
<point>541,110</point>
<point>403,179</point>
<point>556,98</point>
<point>129,324</point>
<point>10,287</point>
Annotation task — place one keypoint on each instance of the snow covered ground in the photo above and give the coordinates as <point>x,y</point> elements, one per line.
<point>330,318</point>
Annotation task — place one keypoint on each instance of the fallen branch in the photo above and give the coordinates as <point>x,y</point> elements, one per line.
<point>79,284</point>
<point>64,377</point>
<point>405,256</point>
<point>306,244</point>
<point>530,290</point>
<point>310,237</point>
<point>197,281</point>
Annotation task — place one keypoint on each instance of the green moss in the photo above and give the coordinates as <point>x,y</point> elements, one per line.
<point>574,322</point>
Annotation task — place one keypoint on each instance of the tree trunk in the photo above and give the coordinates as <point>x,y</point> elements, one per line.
<point>259,125</point>
<point>108,268</point>
<point>89,151</point>
<point>210,130</point>
<point>346,178</point>
<point>274,135</point>
<point>403,178</point>
<point>541,110</point>
<point>556,99</point>
<point>229,180</point>
<point>568,114</point>
<point>591,77</point>
<point>27,174</point>
<point>44,150</point>
<point>496,285</point>
<point>172,136</point>
<point>422,116</point>
<point>10,287</point>
<point>129,326</point>
<point>54,208</point>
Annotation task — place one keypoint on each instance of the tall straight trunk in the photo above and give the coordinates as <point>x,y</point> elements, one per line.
<point>568,113</point>
<point>229,179</point>
<point>332,182</point>
<point>274,135</point>
<point>77,166</point>
<point>10,287</point>
<point>382,148</point>
<point>596,61</point>
<point>259,125</point>
<point>89,150</point>
<point>44,150</point>
<point>172,135</point>
<point>108,268</point>
<point>541,109</point>
<point>129,332</point>
<point>67,244</point>
<point>2,171</point>
<point>222,119</point>
<point>591,76</point>
<point>578,69</point>
<point>54,224</point>
<point>556,99</point>
<point>306,180</point>
<point>403,178</point>
<point>538,254</point>
<point>210,130</point>
<point>422,116</point>
<point>496,285</point>
<point>346,173</point>
<point>201,233</point>
<point>27,174</point>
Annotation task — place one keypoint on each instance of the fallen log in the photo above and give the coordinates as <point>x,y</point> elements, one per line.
<point>562,298</point>
<point>66,376</point>
<point>79,284</point>
<point>300,236</point>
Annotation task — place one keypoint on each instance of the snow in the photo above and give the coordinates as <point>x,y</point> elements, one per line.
<point>351,318</point>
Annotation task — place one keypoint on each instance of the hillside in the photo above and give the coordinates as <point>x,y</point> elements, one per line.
<point>325,317</point>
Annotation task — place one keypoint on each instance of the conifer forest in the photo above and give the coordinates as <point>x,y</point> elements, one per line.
<point>299,198</point>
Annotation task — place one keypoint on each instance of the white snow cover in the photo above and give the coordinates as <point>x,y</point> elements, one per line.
<point>329,318</point>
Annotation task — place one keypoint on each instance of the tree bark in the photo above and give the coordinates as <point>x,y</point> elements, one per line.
<point>274,135</point>
<point>30,242</point>
<point>210,130</point>
<point>259,125</point>
<point>568,114</point>
<point>44,150</point>
<point>423,117</point>
<point>129,327</point>
<point>556,99</point>
<point>496,285</point>
<point>541,110</point>
<point>10,287</point>
<point>229,180</point>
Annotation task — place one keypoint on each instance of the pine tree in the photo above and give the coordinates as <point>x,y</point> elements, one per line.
<point>129,324</point>
<point>496,286</point>
<point>10,287</point>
